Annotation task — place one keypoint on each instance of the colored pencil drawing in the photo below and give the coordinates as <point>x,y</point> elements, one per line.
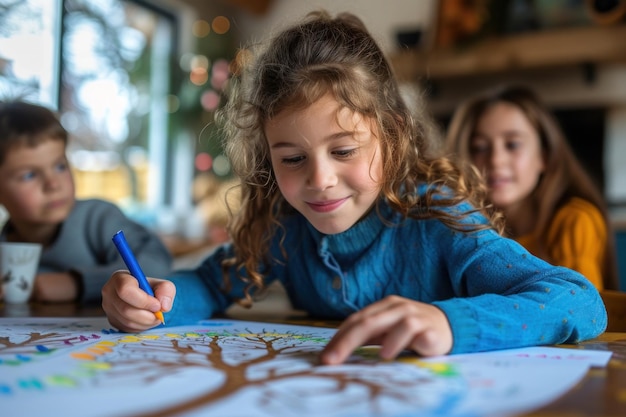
<point>35,338</point>
<point>255,369</point>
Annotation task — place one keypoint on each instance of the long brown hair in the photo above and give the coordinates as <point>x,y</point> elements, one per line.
<point>563,177</point>
<point>325,55</point>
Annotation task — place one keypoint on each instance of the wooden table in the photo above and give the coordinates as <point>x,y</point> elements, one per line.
<point>601,393</point>
<point>603,390</point>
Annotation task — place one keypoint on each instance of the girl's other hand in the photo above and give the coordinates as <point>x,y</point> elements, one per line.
<point>131,309</point>
<point>395,323</point>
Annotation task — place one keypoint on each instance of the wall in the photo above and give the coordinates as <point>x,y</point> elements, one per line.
<point>383,18</point>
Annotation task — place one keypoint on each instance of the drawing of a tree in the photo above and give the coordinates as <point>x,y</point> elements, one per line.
<point>271,363</point>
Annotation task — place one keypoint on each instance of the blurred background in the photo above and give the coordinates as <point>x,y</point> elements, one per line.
<point>137,83</point>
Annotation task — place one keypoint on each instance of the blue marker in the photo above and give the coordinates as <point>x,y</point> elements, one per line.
<point>133,266</point>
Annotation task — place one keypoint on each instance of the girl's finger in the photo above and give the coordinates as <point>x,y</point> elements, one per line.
<point>367,325</point>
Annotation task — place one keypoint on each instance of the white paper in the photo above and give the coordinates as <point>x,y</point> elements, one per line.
<point>84,368</point>
<point>598,358</point>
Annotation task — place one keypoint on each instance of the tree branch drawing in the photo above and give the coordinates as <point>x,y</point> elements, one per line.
<point>264,361</point>
<point>28,343</point>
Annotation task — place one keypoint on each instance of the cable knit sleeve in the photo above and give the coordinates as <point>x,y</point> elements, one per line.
<point>505,297</point>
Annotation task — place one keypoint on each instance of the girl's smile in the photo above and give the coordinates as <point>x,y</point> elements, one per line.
<point>495,182</point>
<point>326,206</point>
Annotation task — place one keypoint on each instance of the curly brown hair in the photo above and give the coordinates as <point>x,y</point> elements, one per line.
<point>318,56</point>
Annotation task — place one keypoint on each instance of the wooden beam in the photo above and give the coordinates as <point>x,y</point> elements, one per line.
<point>548,48</point>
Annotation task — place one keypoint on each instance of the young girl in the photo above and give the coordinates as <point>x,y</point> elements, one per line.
<point>550,205</point>
<point>341,204</point>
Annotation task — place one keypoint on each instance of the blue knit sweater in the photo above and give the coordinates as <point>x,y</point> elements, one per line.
<point>495,294</point>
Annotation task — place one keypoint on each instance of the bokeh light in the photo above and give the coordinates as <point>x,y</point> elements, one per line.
<point>221,165</point>
<point>200,28</point>
<point>185,61</point>
<point>220,25</point>
<point>203,161</point>
<point>210,100</point>
<point>219,74</point>
<point>199,61</point>
<point>198,76</point>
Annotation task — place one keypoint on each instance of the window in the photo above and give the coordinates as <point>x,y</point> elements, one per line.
<point>137,109</point>
<point>29,52</point>
<point>115,87</point>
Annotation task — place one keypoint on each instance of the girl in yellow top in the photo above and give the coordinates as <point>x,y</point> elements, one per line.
<point>550,204</point>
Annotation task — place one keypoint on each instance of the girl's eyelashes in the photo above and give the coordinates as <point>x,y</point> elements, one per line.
<point>294,160</point>
<point>478,148</point>
<point>345,153</point>
<point>339,154</point>
<point>513,145</point>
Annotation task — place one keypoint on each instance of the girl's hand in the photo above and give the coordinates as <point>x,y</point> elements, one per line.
<point>131,309</point>
<point>395,323</point>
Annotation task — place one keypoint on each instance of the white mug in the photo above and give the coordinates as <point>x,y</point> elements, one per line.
<point>18,268</point>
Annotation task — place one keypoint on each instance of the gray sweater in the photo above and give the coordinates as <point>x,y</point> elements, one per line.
<point>84,247</point>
